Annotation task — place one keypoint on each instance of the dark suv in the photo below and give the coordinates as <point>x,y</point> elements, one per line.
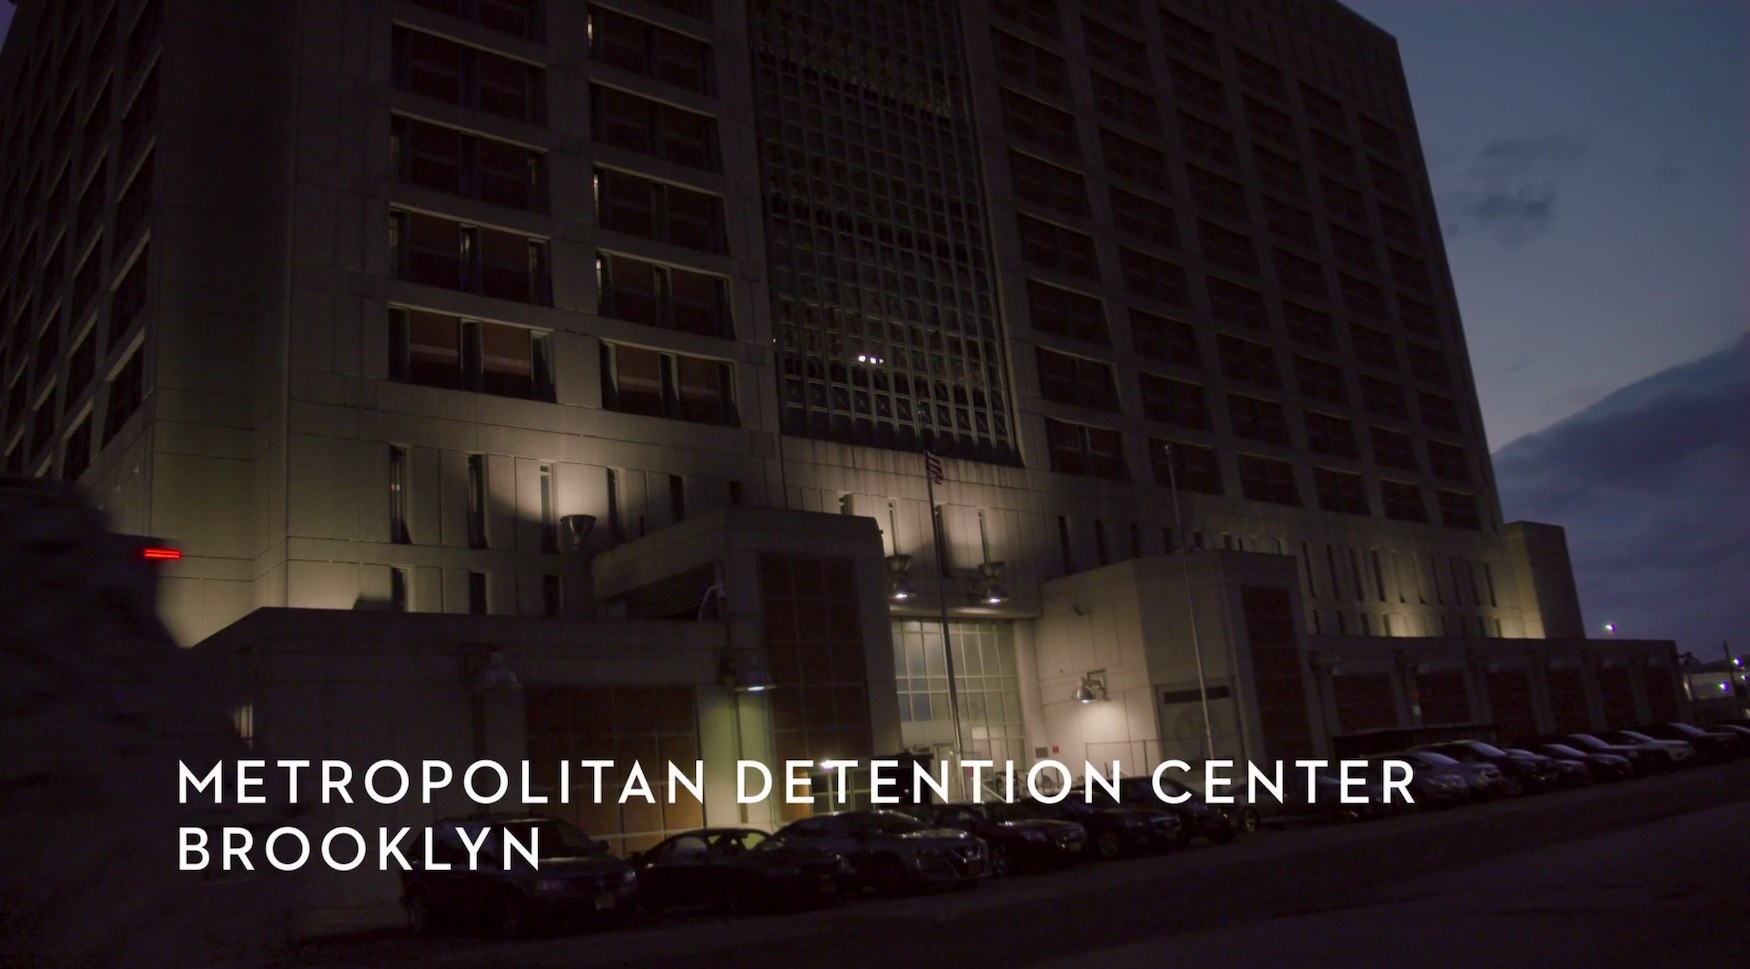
<point>890,851</point>
<point>1197,817</point>
<point>1114,830</point>
<point>575,879</point>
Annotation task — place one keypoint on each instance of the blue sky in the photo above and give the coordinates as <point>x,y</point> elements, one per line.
<point>1588,160</point>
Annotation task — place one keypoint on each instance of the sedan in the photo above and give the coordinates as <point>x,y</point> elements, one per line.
<point>1713,745</point>
<point>738,870</point>
<point>1017,839</point>
<point>1676,753</point>
<point>1604,766</point>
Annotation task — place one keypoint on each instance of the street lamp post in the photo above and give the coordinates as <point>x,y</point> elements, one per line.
<point>1190,607</point>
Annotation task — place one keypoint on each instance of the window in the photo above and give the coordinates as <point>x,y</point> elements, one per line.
<point>1382,396</point>
<point>1299,275</point>
<point>442,69</point>
<point>76,455</point>
<point>616,526</point>
<point>1326,434</point>
<point>1119,102</point>
<point>1230,302</point>
<point>1392,449</point>
<point>1197,89</point>
<point>1309,326</point>
<point>1192,467</point>
<point>1107,46</point>
<point>135,206</point>
<point>1353,248</point>
<point>437,350</point>
<point>1389,180</point>
<point>1261,76</point>
<point>1160,338</point>
<point>398,589</point>
<point>637,124</point>
<point>645,48</point>
<point>126,389</point>
<point>42,422</point>
<point>1429,364</point>
<point>1344,202</point>
<point>1186,39</point>
<point>1289,222</point>
<point>1129,158</point>
<point>1363,298</point>
<point>447,160</point>
<point>549,524</point>
<point>435,251</point>
<point>1225,247</point>
<point>92,201</point>
<point>398,496</point>
<point>1153,277</point>
<point>1378,136</point>
<point>1051,246</point>
<point>1067,313</point>
<point>1266,479</point>
<point>477,506</point>
<point>1246,361</point>
<point>1376,348</point>
<point>1323,108</point>
<point>658,210</point>
<point>637,380</point>
<point>1334,153</point>
<point>1176,402</point>
<point>1278,173</point>
<point>1440,413</point>
<point>477,604</point>
<point>1065,379</point>
<point>1036,15</point>
<point>1419,317</point>
<point>1049,185</point>
<point>1218,195</point>
<point>677,498</point>
<point>82,365</point>
<point>143,37</point>
<point>1320,381</point>
<point>1270,123</point>
<point>87,280</point>
<point>1258,420</point>
<point>1341,492</point>
<point>1207,140</point>
<point>663,296</point>
<point>1399,226</point>
<point>1448,461</point>
<point>1029,64</point>
<point>1402,501</point>
<point>515,17</point>
<point>1039,122</point>
<point>1144,218</point>
<point>1079,449</point>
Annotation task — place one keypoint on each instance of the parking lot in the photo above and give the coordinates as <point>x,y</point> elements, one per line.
<point>1658,866</point>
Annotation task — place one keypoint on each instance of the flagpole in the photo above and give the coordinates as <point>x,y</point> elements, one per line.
<point>1190,606</point>
<point>939,534</point>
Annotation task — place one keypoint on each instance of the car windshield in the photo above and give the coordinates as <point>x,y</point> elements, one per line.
<point>551,837</point>
<point>1588,740</point>
<point>1433,759</point>
<point>1563,750</point>
<point>1487,750</point>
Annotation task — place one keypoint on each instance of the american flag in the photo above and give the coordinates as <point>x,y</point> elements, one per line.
<point>933,467</point>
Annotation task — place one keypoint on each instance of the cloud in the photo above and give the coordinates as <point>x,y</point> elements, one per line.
<point>1507,188</point>
<point>1649,483</point>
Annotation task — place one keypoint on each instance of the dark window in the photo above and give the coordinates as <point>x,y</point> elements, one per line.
<point>437,350</point>
<point>637,380</point>
<point>1160,338</point>
<point>1030,65</point>
<point>1274,125</point>
<point>1459,510</point>
<point>1344,202</point>
<point>1230,302</point>
<point>654,128</point>
<point>1119,102</point>
<point>477,501</point>
<point>1192,467</point>
<point>76,456</point>
<point>1186,39</point>
<point>1266,479</point>
<point>446,160</point>
<point>1298,274</point>
<point>1392,449</point>
<point>1407,270</point>
<point>477,604</point>
<point>515,17</point>
<point>1066,379</point>
<point>135,206</point>
<point>1363,298</point>
<point>126,389</point>
<point>398,495</point>
<point>1039,122</point>
<point>435,251</point>
<point>1083,450</point>
<point>1197,89</point>
<point>1440,413</point>
<point>442,69</point>
<point>1049,185</point>
<point>662,296</point>
<point>659,210</point>
<point>1376,348</point>
<point>1326,434</point>
<point>1218,195</point>
<point>1341,491</point>
<point>1036,15</point>
<point>645,48</point>
<point>82,365</point>
<point>1402,501</point>
<point>1258,420</point>
<point>1052,246</point>
<point>128,299</point>
<point>398,590</point>
<point>1067,313</point>
<point>1153,277</point>
<point>1144,218</point>
<point>1278,173</point>
<point>1225,247</point>
<point>552,597</point>
<point>1129,158</point>
<point>1176,402</point>
<point>1448,461</point>
<point>1246,361</point>
<point>1429,364</point>
<point>1289,222</point>
<point>1320,381</point>
<point>1309,326</point>
<point>1207,140</point>
<point>1108,46</point>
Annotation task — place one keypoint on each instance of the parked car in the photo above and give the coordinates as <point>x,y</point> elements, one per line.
<point>576,879</point>
<point>1198,818</point>
<point>739,870</point>
<point>1641,758</point>
<point>1484,780</point>
<point>1114,830</point>
<point>1522,773</point>
<point>1712,745</point>
<point>1568,771</point>
<point>1429,788</point>
<point>1015,839</point>
<point>891,851</point>
<point>1603,765</point>
<point>1676,753</point>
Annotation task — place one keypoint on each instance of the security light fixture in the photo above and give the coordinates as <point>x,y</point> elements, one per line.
<point>987,590</point>
<point>485,671</point>
<point>898,582</point>
<point>744,673</point>
<point>577,528</point>
<point>1093,687</point>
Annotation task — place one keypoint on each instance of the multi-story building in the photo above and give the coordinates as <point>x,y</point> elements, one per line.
<point>574,311</point>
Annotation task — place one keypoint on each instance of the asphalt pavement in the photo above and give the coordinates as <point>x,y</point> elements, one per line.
<point>1651,872</point>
